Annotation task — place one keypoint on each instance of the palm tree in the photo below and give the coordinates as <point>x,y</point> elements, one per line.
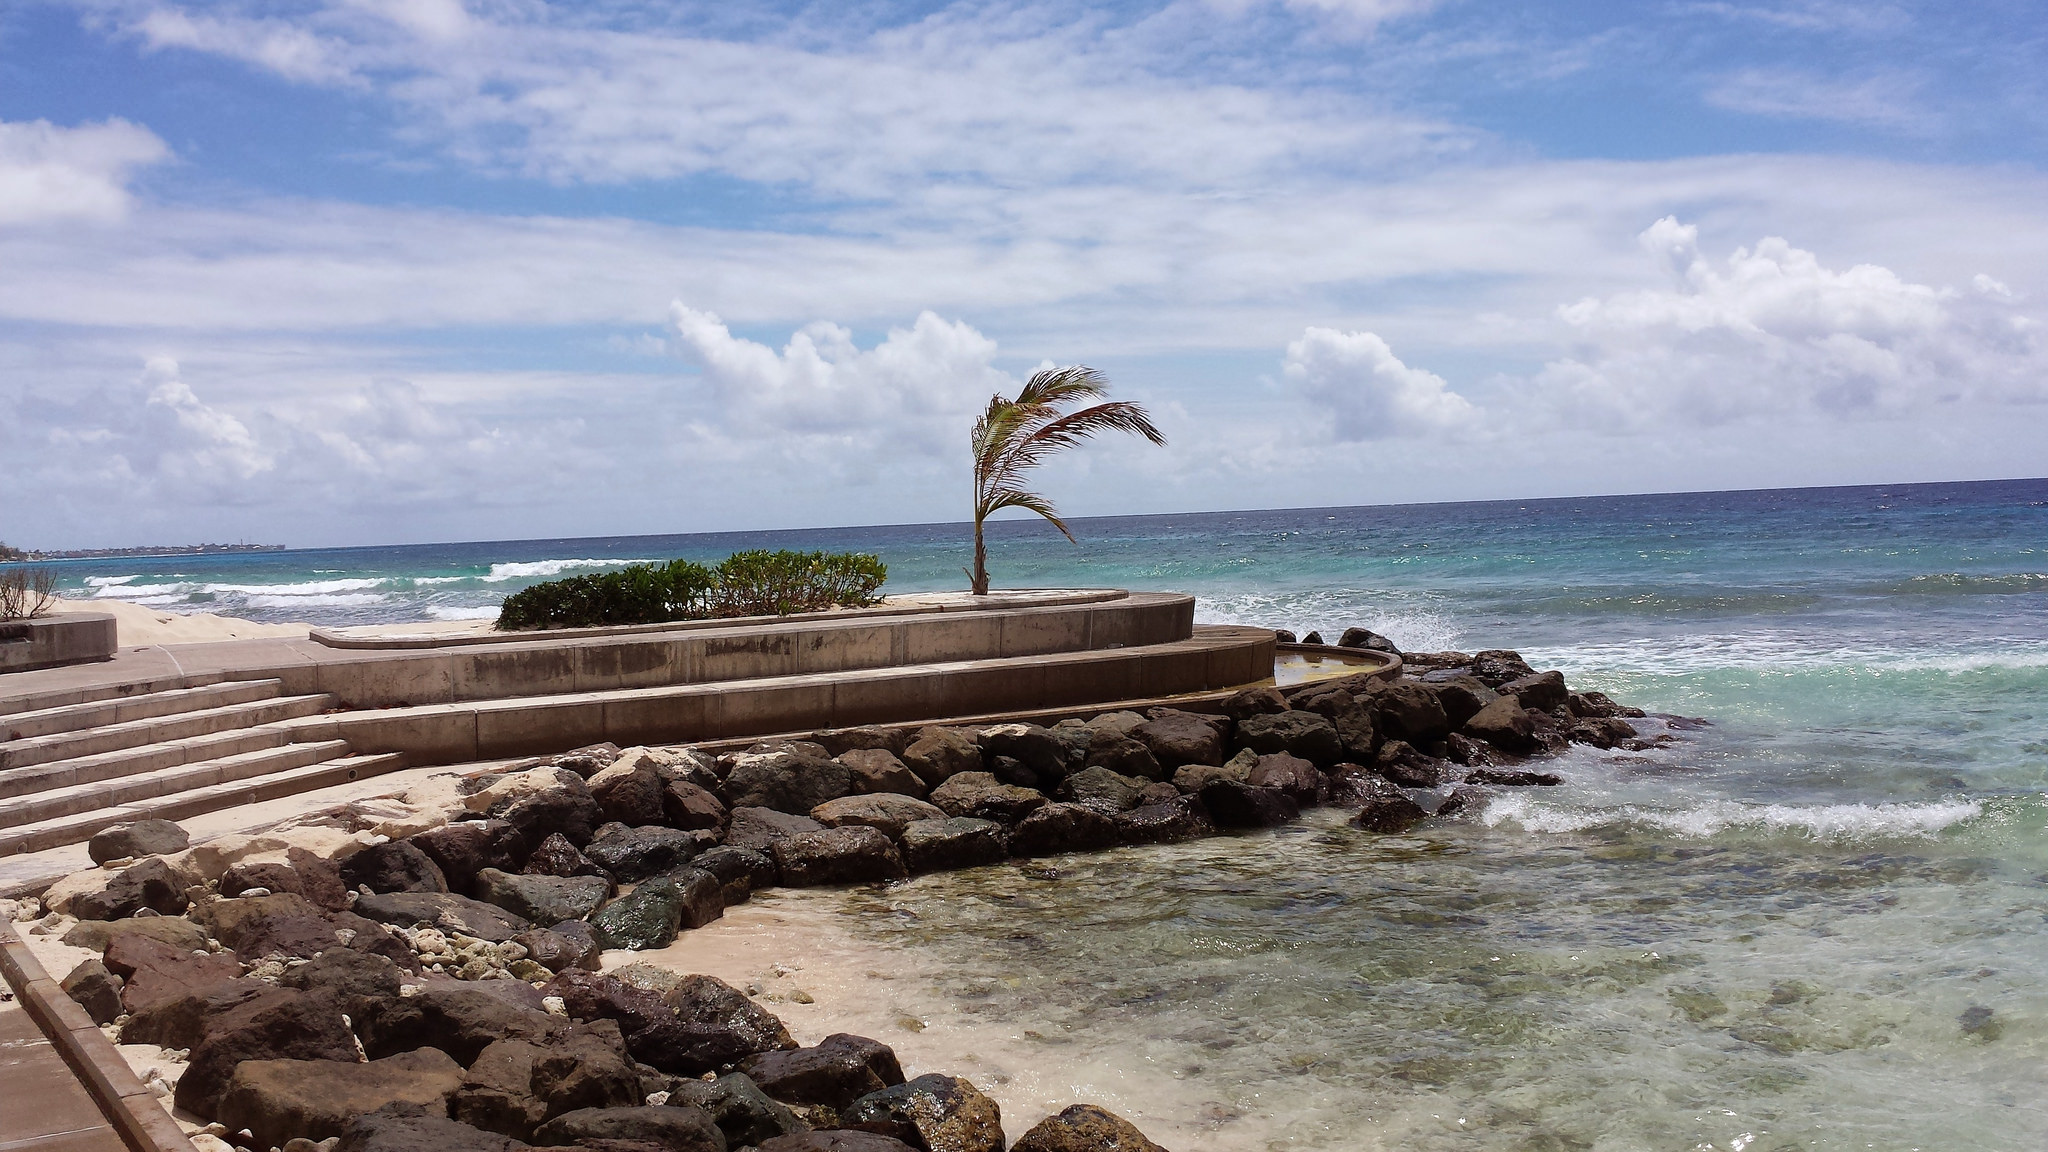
<point>1014,436</point>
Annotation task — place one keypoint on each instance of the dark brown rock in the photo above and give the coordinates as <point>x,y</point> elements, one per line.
<point>633,854</point>
<point>443,910</point>
<point>673,1129</point>
<point>1086,1128</point>
<point>465,847</point>
<point>1386,809</point>
<point>1498,666</point>
<point>1605,732</point>
<point>835,1141</point>
<point>137,839</point>
<point>96,990</point>
<point>1367,639</point>
<point>878,770</point>
<point>277,1100</point>
<point>360,983</point>
<point>557,951</point>
<point>760,828</point>
<point>1409,710</point>
<point>1506,725</point>
<point>590,995</point>
<point>153,971</point>
<point>395,866</point>
<point>855,854</point>
<point>149,883</point>
<point>1165,822</point>
<point>1103,790</point>
<point>557,857</point>
<point>840,1069</point>
<point>1352,720</point>
<point>283,1025</point>
<point>1264,700</point>
<point>741,871</point>
<point>181,1021</point>
<point>955,842</point>
<point>1399,762</point>
<point>786,781</point>
<point>1310,736</point>
<point>688,805</point>
<point>1462,698</point>
<point>1514,778</point>
<point>945,1114</point>
<point>939,754</point>
<point>1178,738</point>
<point>497,1095</point>
<point>1057,828</point>
<point>95,935</point>
<point>888,812</point>
<point>567,807</point>
<point>740,1109</point>
<point>1290,774</point>
<point>1122,754</point>
<point>417,1128</point>
<point>1539,690</point>
<point>981,796</point>
<point>1234,805</point>
<point>461,1021</point>
<point>840,741</point>
<point>629,792</point>
<point>1042,754</point>
<point>588,760</point>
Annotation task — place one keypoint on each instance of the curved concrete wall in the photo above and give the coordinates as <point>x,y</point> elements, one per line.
<point>52,641</point>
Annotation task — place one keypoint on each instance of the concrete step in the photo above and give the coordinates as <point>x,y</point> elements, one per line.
<point>120,710</point>
<point>157,730</point>
<point>78,798</point>
<point>77,829</point>
<point>134,761</point>
<point>14,704</point>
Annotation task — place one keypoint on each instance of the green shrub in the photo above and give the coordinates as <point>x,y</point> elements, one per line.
<point>756,583</point>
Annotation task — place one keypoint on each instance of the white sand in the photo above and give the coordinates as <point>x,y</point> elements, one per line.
<point>140,625</point>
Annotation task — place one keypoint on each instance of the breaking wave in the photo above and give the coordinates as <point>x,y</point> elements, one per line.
<point>1833,822</point>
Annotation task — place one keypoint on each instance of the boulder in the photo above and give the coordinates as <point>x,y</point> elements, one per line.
<point>1539,690</point>
<point>686,804</point>
<point>1514,778</point>
<point>136,839</point>
<point>1122,723</point>
<point>1352,720</point>
<point>835,1141</point>
<point>1399,762</point>
<point>1234,805</point>
<point>96,990</point>
<point>182,1021</point>
<point>1263,700</point>
<point>596,996</point>
<point>276,1100</point>
<point>955,842</point>
<point>464,848</point>
<point>1057,828</point>
<point>586,1068</point>
<point>497,1095</point>
<point>557,857</point>
<point>1409,710</point>
<point>650,915</point>
<point>1506,725</point>
<point>152,971</point>
<point>1384,808</point>
<point>939,754</point>
<point>1462,749</point>
<point>667,1127</point>
<point>1462,698</point>
<point>1086,1128</point>
<point>542,899</point>
<point>1121,754</point>
<point>358,982</point>
<point>1290,774</point>
<point>760,828</point>
<point>95,935</point>
<point>878,770</point>
<point>415,1128</point>
<point>1310,736</point>
<point>261,925</point>
<point>1178,738</point>
<point>459,1018</point>
<point>942,1113</point>
<point>1102,789</point>
<point>786,781</point>
<point>634,854</point>
<point>1285,636</point>
<point>981,796</point>
<point>283,1025</point>
<point>840,1069</point>
<point>443,910</point>
<point>557,951</point>
<point>1312,638</point>
<point>550,800</point>
<point>1599,705</point>
<point>866,738</point>
<point>394,866</point>
<point>855,854</point>
<point>1041,753</point>
<point>1496,667</point>
<point>740,1109</point>
<point>1011,770</point>
<point>888,812</point>
<point>307,875</point>
<point>588,760</point>
<point>713,1026</point>
<point>1606,732</point>
<point>741,871</point>
<point>1165,822</point>
<point>151,883</point>
<point>1367,639</point>
<point>629,791</point>
<point>1192,778</point>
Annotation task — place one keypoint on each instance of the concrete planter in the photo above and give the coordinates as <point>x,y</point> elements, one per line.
<point>50,641</point>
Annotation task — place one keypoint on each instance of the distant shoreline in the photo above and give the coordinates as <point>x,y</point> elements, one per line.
<point>165,550</point>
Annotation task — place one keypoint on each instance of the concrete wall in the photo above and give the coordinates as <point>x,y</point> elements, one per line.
<point>52,641</point>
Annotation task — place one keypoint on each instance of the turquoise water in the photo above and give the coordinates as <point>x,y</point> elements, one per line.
<point>1819,922</point>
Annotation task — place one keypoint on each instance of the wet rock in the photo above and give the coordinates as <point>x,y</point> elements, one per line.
<point>835,1141</point>
<point>1040,752</point>
<point>1264,700</point>
<point>465,847</point>
<point>866,738</point>
<point>1513,778</point>
<point>1367,639</point>
<point>1178,738</point>
<point>856,854</point>
<point>887,812</point>
<point>1408,710</point>
<point>1057,828</point>
<point>634,854</point>
<point>415,1128</point>
<point>150,883</point>
<point>1980,1022</point>
<point>741,871</point>
<point>152,971</point>
<point>1086,1128</point>
<point>877,770</point>
<point>629,792</point>
<point>596,996</point>
<point>737,1105</point>
<point>1352,720</point>
<point>1462,698</point>
<point>557,857</point>
<point>96,990</point>
<point>1290,774</point>
<point>955,842</point>
<point>1121,754</point>
<point>1399,762</point>
<point>395,866</point>
<point>674,1129</point>
<point>1599,706</point>
<point>760,828</point>
<point>1165,822</point>
<point>1157,792</point>
<point>840,1069</point>
<point>1461,802</point>
<point>786,781</point>
<point>95,935</point>
<point>1234,805</point>
<point>443,910</point>
<point>1462,749</point>
<point>1498,666</point>
<point>276,1100</point>
<point>1192,778</point>
<point>283,1024</point>
<point>137,839</point>
<point>359,983</point>
<point>458,1018</point>
<point>542,899</point>
<point>1102,789</point>
<point>647,917</point>
<point>1506,725</point>
<point>943,1113</point>
<point>1312,638</point>
<point>939,754</point>
<point>1539,690</point>
<point>714,1026</point>
<point>981,796</point>
<point>557,951</point>
<point>690,806</point>
<point>1011,770</point>
<point>1304,734</point>
<point>1606,732</point>
<point>1386,809</point>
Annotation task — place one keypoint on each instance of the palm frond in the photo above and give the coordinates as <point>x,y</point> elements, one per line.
<point>1002,498</point>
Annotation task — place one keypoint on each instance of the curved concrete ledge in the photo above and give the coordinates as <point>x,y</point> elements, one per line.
<point>54,641</point>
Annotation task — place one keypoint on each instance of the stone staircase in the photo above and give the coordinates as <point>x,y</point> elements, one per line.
<point>74,763</point>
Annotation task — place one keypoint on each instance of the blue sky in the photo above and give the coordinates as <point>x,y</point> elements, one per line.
<point>353,271</point>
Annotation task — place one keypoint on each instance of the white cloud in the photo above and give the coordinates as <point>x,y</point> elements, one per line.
<point>49,173</point>
<point>1891,101</point>
<point>1370,394</point>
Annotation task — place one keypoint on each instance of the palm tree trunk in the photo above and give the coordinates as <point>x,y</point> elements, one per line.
<point>980,561</point>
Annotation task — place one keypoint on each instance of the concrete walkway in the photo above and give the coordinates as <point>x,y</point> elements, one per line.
<point>43,1107</point>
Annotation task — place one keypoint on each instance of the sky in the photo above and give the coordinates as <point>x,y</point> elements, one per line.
<point>329,272</point>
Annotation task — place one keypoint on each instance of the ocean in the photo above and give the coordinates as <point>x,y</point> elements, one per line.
<point>1818,921</point>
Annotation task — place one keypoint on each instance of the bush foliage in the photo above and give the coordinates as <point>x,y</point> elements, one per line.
<point>756,583</point>
<point>26,593</point>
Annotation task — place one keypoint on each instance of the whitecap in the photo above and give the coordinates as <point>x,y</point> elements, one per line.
<point>1712,817</point>
<point>515,571</point>
<point>486,612</point>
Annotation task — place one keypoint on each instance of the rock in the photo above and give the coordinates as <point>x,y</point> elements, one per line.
<point>588,760</point>
<point>1158,792</point>
<point>1165,822</point>
<point>1086,1128</point>
<point>1367,639</point>
<point>629,790</point>
<point>1387,809</point>
<point>1498,666</point>
<point>1512,778</point>
<point>1601,733</point>
<point>276,1100</point>
<point>1178,738</point>
<point>741,871</point>
<point>1461,801</point>
<point>1399,762</point>
<point>714,1025</point>
<point>1036,747</point>
<point>1122,723</point>
<point>634,854</point>
<point>1102,789</point>
<point>1234,805</point>
<point>182,1021</point>
<point>955,842</point>
<point>543,801</point>
<point>1462,749</point>
<point>842,1068</point>
<point>1011,770</point>
<point>284,1024</point>
<point>689,805</point>
<point>760,828</point>
<point>95,935</point>
<point>374,939</point>
<point>944,1113</point>
<point>596,996</point>
<point>1599,706</point>
<point>396,866</point>
<point>1057,828</point>
<point>1352,721</point>
<point>558,951</point>
<point>675,1129</point>
<point>852,855</point>
<point>357,982</point>
<point>740,1109</point>
<point>1290,774</point>
<point>557,857</point>
<point>1462,698</point>
<point>866,738</point>
<point>1121,754</point>
<point>307,875</point>
<point>786,781</point>
<point>1304,734</point>
<point>890,813</point>
<point>1284,636</point>
<point>261,925</point>
<point>835,1141</point>
<point>878,770</point>
<point>647,917</point>
<point>1409,710</point>
<point>587,1068</point>
<point>443,910</point>
<point>1264,700</point>
<point>1506,725</point>
<point>497,1095</point>
<point>458,1017</point>
<point>150,883</point>
<point>152,971</point>
<point>543,899</point>
<point>981,796</point>
<point>414,1128</point>
<point>96,990</point>
<point>1192,778</point>
<point>939,754</point>
<point>136,839</point>
<point>1539,690</point>
<point>1312,638</point>
<point>466,847</point>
